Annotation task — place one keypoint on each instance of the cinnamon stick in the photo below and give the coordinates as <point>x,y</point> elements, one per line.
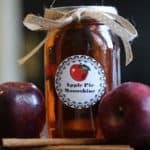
<point>61,144</point>
<point>84,147</point>
<point>14,142</point>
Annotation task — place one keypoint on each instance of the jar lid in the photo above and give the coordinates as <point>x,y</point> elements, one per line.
<point>109,9</point>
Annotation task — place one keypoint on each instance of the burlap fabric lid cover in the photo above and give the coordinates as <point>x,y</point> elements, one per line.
<point>60,16</point>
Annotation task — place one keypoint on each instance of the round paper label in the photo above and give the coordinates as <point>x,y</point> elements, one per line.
<point>80,81</point>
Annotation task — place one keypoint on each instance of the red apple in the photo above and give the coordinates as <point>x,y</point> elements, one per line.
<point>22,110</point>
<point>79,72</point>
<point>124,115</point>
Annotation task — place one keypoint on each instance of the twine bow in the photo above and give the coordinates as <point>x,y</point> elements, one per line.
<point>55,18</point>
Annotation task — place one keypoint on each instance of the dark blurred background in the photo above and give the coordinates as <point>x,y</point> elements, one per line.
<point>137,12</point>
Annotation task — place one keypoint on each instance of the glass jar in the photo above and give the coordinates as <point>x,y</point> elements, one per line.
<point>82,64</point>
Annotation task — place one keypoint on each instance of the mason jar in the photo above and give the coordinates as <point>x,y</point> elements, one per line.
<point>82,64</point>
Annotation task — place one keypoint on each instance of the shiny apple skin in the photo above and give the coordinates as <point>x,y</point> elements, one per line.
<point>22,110</point>
<point>124,115</point>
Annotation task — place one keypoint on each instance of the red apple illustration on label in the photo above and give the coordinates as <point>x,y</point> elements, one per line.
<point>79,72</point>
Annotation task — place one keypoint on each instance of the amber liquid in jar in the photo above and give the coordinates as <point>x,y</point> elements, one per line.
<point>86,37</point>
